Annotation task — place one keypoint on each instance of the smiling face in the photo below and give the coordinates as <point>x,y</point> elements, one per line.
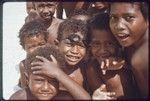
<point>46,10</point>
<point>103,44</point>
<point>73,48</point>
<point>43,88</point>
<point>127,23</point>
<point>33,42</point>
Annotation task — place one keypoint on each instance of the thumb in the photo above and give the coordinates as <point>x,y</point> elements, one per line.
<point>103,87</point>
<point>53,59</point>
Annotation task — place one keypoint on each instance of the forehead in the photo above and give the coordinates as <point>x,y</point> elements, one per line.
<point>102,35</point>
<point>35,38</point>
<point>32,76</point>
<point>73,35</point>
<point>29,4</point>
<point>121,8</point>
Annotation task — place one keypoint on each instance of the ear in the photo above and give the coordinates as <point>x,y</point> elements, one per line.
<point>56,42</point>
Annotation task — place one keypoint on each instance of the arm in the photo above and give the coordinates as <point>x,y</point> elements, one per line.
<point>59,11</point>
<point>22,79</point>
<point>51,69</point>
<point>19,95</point>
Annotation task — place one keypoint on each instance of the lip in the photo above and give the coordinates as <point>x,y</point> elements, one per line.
<point>72,58</point>
<point>122,36</point>
<point>45,94</point>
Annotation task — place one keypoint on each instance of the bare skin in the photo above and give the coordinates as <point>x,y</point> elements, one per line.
<point>46,67</point>
<point>134,29</point>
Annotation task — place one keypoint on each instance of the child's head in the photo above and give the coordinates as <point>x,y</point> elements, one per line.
<point>129,21</point>
<point>32,35</point>
<point>101,5</point>
<point>41,86</point>
<point>30,7</point>
<point>46,10</point>
<point>81,15</point>
<point>72,37</point>
<point>102,42</point>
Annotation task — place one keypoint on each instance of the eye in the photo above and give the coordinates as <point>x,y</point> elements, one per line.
<point>113,18</point>
<point>129,18</point>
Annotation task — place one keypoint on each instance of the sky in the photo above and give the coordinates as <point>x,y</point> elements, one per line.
<point>14,14</point>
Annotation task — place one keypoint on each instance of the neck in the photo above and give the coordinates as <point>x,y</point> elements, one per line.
<point>140,42</point>
<point>48,22</point>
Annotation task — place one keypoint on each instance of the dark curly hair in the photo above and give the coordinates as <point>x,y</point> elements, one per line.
<point>44,52</point>
<point>32,29</point>
<point>80,12</point>
<point>143,6</point>
<point>100,22</point>
<point>72,26</point>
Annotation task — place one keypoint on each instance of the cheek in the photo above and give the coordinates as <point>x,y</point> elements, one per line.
<point>94,50</point>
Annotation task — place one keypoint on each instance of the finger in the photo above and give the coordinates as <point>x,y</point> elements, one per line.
<point>103,87</point>
<point>103,72</point>
<point>37,63</point>
<point>107,63</point>
<point>37,72</point>
<point>102,65</point>
<point>111,94</point>
<point>53,59</point>
<point>36,68</point>
<point>41,58</point>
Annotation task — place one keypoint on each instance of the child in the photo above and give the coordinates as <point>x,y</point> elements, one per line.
<point>46,12</point>
<point>98,7</point>
<point>31,11</point>
<point>129,24</point>
<point>32,35</point>
<point>72,35</point>
<point>104,47</point>
<point>40,87</point>
<point>81,15</point>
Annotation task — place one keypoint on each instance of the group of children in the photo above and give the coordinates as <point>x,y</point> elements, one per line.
<point>86,56</point>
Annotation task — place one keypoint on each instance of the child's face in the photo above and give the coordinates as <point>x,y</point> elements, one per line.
<point>33,42</point>
<point>73,48</point>
<point>43,88</point>
<point>30,7</point>
<point>101,5</point>
<point>127,23</point>
<point>46,9</point>
<point>102,44</point>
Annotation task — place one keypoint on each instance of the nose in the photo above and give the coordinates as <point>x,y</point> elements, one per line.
<point>120,25</point>
<point>102,51</point>
<point>46,88</point>
<point>45,10</point>
<point>75,49</point>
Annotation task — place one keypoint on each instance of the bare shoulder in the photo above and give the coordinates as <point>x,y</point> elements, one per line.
<point>140,57</point>
<point>19,95</point>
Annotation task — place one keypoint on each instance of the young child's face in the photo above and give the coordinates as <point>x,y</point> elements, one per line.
<point>102,44</point>
<point>30,7</point>
<point>33,42</point>
<point>73,48</point>
<point>46,9</point>
<point>43,88</point>
<point>127,23</point>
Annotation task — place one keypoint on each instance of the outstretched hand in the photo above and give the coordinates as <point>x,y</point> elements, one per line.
<point>111,64</point>
<point>102,94</point>
<point>46,67</point>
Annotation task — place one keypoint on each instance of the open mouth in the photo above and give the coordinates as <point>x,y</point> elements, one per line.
<point>72,58</point>
<point>45,94</point>
<point>122,36</point>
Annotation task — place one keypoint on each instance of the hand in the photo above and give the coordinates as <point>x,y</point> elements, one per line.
<point>102,94</point>
<point>111,64</point>
<point>45,66</point>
